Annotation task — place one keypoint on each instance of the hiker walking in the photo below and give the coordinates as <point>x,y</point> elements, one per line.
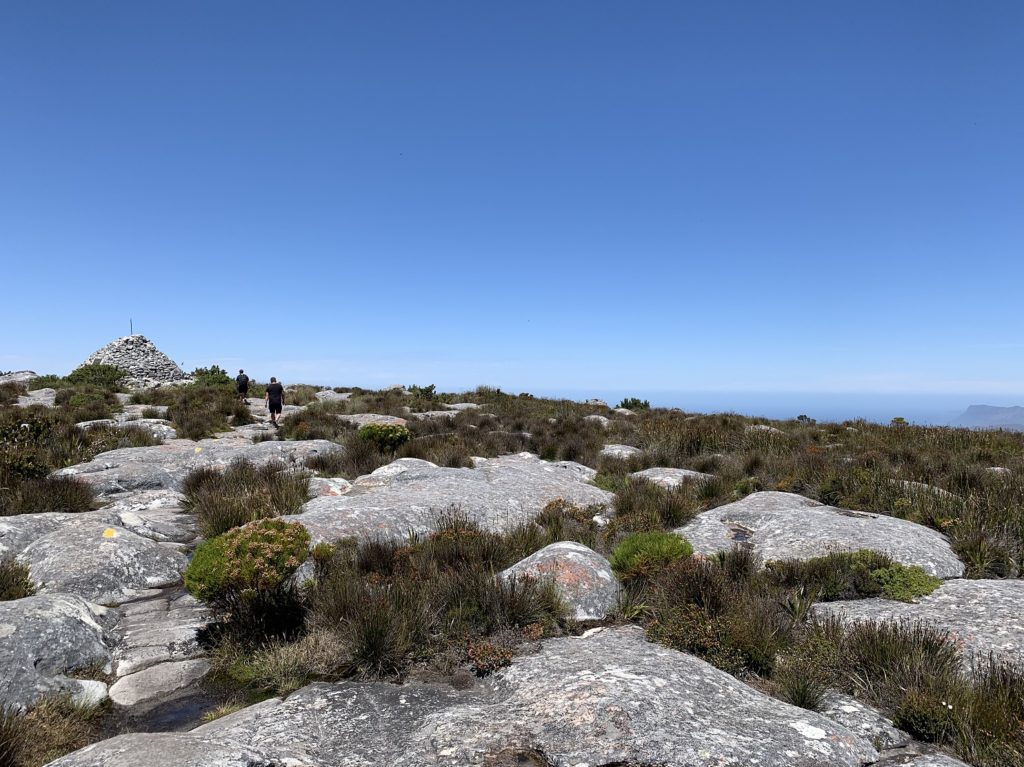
<point>242,381</point>
<point>275,399</point>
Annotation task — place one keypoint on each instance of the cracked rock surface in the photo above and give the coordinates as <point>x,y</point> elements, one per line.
<point>608,697</point>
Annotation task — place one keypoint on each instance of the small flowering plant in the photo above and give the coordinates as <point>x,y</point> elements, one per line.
<point>256,558</point>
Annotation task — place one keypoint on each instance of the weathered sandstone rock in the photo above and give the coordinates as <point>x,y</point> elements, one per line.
<point>408,494</point>
<point>622,452</point>
<point>102,563</point>
<point>789,526</point>
<point>165,466</point>
<point>44,637</point>
<point>985,615</point>
<point>583,578</point>
<point>669,478</point>
<point>608,697</point>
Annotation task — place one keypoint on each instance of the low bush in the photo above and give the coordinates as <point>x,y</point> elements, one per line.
<point>643,505</point>
<point>642,555</point>
<point>53,493</point>
<point>853,575</point>
<point>202,411</point>
<point>9,393</point>
<point>634,403</point>
<point>14,581</point>
<point>49,730</point>
<point>212,376</point>
<point>243,493</point>
<point>244,574</point>
<point>100,376</point>
<point>313,423</point>
<point>85,402</point>
<point>386,437</point>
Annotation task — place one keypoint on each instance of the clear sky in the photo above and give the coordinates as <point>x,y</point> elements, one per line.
<point>761,196</point>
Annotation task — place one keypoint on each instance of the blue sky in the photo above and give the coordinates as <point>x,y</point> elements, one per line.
<point>766,197</point>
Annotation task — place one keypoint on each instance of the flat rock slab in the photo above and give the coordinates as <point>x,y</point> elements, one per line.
<point>106,564</point>
<point>158,684</point>
<point>20,531</point>
<point>165,466</point>
<point>463,406</point>
<point>362,419</point>
<point>435,415</point>
<point>44,397</point>
<point>332,396</point>
<point>583,578</point>
<point>670,478</point>
<point>20,377</point>
<point>42,638</point>
<point>985,615</point>
<point>407,496</point>
<point>789,526</point>
<point>622,452</point>
<point>608,697</point>
<point>863,719</point>
<point>157,427</point>
<point>156,749</point>
<point>158,630</point>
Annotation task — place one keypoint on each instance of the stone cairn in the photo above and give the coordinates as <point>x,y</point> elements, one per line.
<point>144,364</point>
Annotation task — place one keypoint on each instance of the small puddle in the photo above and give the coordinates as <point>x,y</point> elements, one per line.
<point>178,715</point>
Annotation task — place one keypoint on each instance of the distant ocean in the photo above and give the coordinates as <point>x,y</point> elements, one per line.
<point>925,409</point>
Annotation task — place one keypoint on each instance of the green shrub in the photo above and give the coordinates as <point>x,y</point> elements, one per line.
<point>387,437</point>
<point>212,376</point>
<point>101,376</point>
<point>48,381</point>
<point>853,575</point>
<point>242,493</point>
<point>633,403</point>
<point>903,583</point>
<point>14,581</point>
<point>86,402</point>
<point>244,574</point>
<point>641,555</point>
<point>313,423</point>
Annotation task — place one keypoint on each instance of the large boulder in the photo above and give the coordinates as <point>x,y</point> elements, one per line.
<point>986,616</point>
<point>142,363</point>
<point>44,637</point>
<point>583,578</point>
<point>407,496</point>
<point>103,563</point>
<point>789,526</point>
<point>165,466</point>
<point>608,697</point>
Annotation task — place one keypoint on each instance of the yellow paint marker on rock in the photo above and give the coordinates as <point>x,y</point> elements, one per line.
<point>109,533</point>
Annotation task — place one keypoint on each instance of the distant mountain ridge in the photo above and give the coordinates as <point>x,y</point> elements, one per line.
<point>992,417</point>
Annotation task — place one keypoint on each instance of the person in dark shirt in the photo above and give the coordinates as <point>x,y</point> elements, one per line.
<point>275,399</point>
<point>243,386</point>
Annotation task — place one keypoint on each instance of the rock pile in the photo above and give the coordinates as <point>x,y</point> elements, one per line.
<point>138,357</point>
